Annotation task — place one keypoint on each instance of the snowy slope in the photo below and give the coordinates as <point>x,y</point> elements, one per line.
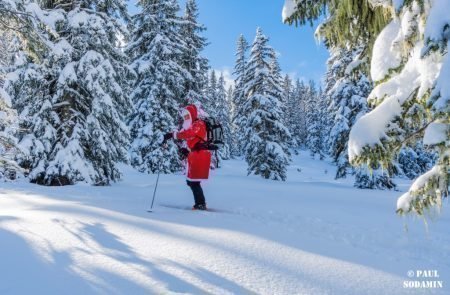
<point>310,235</point>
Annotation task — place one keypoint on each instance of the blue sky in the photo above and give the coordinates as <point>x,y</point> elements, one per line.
<point>300,54</point>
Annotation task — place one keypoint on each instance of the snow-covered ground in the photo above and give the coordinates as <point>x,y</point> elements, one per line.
<point>309,235</point>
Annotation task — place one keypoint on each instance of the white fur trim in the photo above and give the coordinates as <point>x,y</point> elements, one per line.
<point>197,179</point>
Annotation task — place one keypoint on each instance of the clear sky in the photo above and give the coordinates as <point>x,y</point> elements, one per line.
<point>300,54</point>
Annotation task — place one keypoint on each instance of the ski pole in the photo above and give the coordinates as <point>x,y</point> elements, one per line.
<point>156,185</point>
<point>154,191</point>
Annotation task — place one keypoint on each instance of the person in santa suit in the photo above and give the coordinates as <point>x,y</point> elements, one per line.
<point>198,158</point>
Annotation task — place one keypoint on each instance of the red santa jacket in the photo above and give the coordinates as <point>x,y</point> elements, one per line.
<point>198,161</point>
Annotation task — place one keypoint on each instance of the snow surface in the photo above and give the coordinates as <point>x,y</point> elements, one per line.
<point>309,235</point>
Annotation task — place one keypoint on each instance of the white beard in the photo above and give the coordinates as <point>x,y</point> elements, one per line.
<point>187,124</point>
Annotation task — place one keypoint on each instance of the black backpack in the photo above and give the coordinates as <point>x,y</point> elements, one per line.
<point>214,131</point>
<point>214,135</point>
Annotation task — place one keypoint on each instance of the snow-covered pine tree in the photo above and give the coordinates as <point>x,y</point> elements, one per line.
<point>8,142</point>
<point>289,110</point>
<point>298,114</point>
<point>209,101</point>
<point>352,23</point>
<point>292,112</point>
<point>351,92</point>
<point>231,111</point>
<point>72,103</point>
<point>9,47</point>
<point>416,160</point>
<point>281,93</point>
<point>346,90</point>
<point>69,95</point>
<point>314,140</point>
<point>203,99</point>
<point>411,67</point>
<point>324,122</point>
<point>413,161</point>
<point>93,95</point>
<point>222,114</point>
<point>195,65</point>
<point>267,139</point>
<point>287,98</point>
<point>277,89</point>
<point>28,23</point>
<point>239,118</point>
<point>156,50</point>
<point>30,87</point>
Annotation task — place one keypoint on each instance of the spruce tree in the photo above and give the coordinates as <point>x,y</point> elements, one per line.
<point>407,48</point>
<point>288,99</point>
<point>223,111</point>
<point>266,147</point>
<point>19,63</point>
<point>298,114</point>
<point>8,142</point>
<point>413,161</point>
<point>346,82</point>
<point>277,89</point>
<point>9,47</point>
<point>29,23</point>
<point>313,121</point>
<point>231,142</point>
<point>292,112</point>
<point>209,101</point>
<point>156,48</point>
<point>346,91</point>
<point>8,116</point>
<point>193,63</point>
<point>239,118</point>
<point>418,110</point>
<point>347,103</point>
<point>73,102</point>
<point>324,121</point>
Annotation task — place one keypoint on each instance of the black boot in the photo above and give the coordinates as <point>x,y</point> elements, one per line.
<point>199,198</point>
<point>199,207</point>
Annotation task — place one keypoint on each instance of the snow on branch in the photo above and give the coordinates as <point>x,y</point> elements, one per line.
<point>288,9</point>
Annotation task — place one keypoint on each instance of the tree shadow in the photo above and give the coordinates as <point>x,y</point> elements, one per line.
<point>120,250</point>
<point>126,254</point>
<point>23,272</point>
<point>114,247</point>
<point>223,284</point>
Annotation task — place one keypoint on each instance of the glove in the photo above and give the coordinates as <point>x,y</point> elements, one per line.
<point>167,136</point>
